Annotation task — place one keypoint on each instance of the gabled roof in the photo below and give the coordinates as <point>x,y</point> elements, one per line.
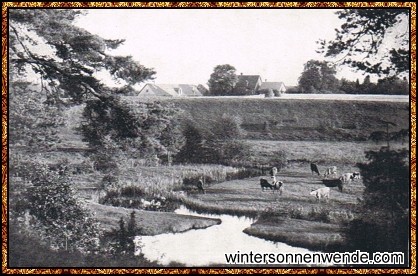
<point>169,90</point>
<point>151,89</point>
<point>189,90</point>
<point>272,85</point>
<point>247,81</point>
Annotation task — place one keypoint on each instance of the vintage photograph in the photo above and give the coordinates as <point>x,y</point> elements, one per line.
<point>208,137</point>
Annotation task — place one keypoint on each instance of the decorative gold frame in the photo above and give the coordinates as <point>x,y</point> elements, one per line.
<point>4,102</point>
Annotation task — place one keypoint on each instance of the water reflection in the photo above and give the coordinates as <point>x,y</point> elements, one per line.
<point>208,246</point>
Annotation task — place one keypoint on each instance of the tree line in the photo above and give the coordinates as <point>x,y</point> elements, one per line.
<point>320,77</point>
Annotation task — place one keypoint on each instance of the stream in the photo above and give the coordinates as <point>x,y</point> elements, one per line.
<point>204,247</point>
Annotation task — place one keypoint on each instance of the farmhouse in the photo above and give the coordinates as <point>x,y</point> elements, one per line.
<point>169,90</point>
<point>253,84</point>
<point>247,85</point>
<point>279,86</point>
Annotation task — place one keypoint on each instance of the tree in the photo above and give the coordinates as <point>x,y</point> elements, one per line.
<point>392,86</point>
<point>57,215</point>
<point>74,54</point>
<point>202,89</point>
<point>222,81</point>
<point>33,120</point>
<point>193,147</point>
<point>67,73</point>
<point>362,41</point>
<point>318,76</point>
<point>383,221</point>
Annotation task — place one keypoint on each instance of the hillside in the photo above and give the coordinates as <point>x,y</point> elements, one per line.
<point>298,119</point>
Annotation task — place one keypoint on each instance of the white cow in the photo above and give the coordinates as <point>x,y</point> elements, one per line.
<point>145,203</point>
<point>330,171</point>
<point>321,193</point>
<point>347,177</point>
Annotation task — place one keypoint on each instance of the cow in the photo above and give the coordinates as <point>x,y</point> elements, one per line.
<point>314,168</point>
<point>321,193</point>
<point>355,175</point>
<point>278,185</point>
<point>346,177</point>
<point>334,183</point>
<point>330,171</point>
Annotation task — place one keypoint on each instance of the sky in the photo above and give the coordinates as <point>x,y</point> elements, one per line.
<point>185,45</point>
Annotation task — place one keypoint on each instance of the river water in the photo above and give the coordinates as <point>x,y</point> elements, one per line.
<point>204,247</point>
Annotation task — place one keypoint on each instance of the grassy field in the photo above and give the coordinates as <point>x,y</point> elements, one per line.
<point>295,217</point>
<point>322,153</point>
<point>299,119</point>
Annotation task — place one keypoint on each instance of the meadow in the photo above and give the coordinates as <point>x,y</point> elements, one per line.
<point>299,131</point>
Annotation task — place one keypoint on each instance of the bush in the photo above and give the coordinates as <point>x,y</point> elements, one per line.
<point>383,221</point>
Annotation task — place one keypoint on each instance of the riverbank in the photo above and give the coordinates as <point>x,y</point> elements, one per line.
<point>295,217</point>
<point>313,235</point>
<point>149,223</point>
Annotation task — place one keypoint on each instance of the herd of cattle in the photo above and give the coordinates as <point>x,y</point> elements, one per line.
<point>330,179</point>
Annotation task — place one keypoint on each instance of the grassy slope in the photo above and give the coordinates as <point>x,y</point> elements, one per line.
<point>299,119</point>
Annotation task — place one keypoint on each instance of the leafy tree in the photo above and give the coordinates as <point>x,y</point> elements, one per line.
<point>383,221</point>
<point>67,71</point>
<point>392,86</point>
<point>360,42</point>
<point>202,89</point>
<point>222,80</point>
<point>348,86</point>
<point>193,147</point>
<point>57,214</point>
<point>74,54</point>
<point>115,129</point>
<point>318,77</point>
<point>33,119</point>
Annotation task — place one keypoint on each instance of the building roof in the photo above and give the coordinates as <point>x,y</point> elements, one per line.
<point>151,89</point>
<point>169,90</point>
<point>189,90</point>
<point>248,81</point>
<point>272,85</point>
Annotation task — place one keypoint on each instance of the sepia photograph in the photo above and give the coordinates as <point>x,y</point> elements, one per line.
<point>208,136</point>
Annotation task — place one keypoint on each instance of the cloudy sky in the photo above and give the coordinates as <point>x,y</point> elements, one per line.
<point>184,45</point>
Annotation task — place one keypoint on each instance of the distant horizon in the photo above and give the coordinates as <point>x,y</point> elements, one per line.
<point>185,45</point>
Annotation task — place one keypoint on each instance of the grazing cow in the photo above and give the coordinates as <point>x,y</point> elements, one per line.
<point>314,168</point>
<point>278,185</point>
<point>355,175</point>
<point>334,183</point>
<point>321,193</point>
<point>346,177</point>
<point>330,171</point>
<point>145,203</point>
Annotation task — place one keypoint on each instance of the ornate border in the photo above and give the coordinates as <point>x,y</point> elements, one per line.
<point>4,104</point>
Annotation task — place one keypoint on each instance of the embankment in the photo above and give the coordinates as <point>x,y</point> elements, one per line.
<point>299,119</point>
<point>149,223</point>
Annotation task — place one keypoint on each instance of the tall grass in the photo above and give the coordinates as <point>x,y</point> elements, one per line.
<point>155,183</point>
